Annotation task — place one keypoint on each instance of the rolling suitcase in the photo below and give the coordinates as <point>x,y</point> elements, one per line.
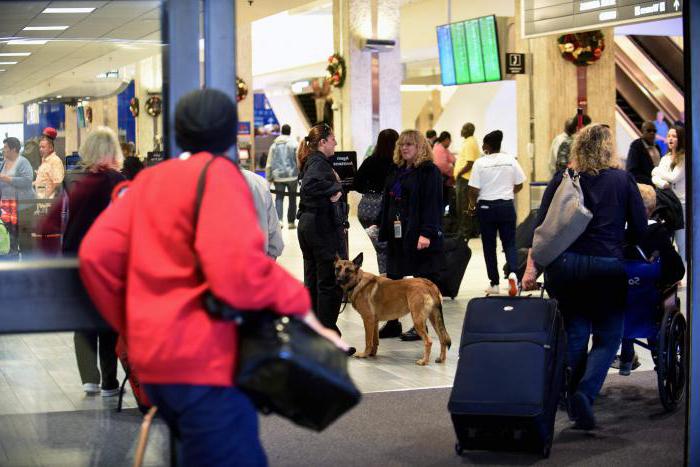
<point>457,256</point>
<point>509,375</point>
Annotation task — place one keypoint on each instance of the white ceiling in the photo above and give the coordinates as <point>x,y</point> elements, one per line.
<point>117,33</point>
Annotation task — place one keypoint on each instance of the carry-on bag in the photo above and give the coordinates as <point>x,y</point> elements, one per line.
<point>509,375</point>
<point>457,256</point>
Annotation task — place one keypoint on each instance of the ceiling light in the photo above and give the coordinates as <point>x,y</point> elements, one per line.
<point>15,54</point>
<point>68,10</point>
<point>8,63</point>
<point>2,71</point>
<point>27,42</point>
<point>45,28</point>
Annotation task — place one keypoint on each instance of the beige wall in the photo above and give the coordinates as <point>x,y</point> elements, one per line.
<point>13,114</point>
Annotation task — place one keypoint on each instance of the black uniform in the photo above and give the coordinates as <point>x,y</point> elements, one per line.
<point>319,236</point>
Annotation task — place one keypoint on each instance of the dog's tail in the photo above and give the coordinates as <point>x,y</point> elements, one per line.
<point>440,327</point>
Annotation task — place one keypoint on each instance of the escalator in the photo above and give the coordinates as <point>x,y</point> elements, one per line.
<point>649,78</point>
<point>308,106</point>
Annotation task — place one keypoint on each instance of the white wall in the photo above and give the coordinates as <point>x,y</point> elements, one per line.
<point>287,111</point>
<point>489,106</point>
<point>12,114</point>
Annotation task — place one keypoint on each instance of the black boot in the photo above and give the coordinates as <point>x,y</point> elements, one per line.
<point>392,328</point>
<point>410,335</point>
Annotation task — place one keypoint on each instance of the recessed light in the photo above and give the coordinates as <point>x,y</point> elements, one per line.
<point>15,54</point>
<point>2,71</point>
<point>59,96</point>
<point>27,42</point>
<point>68,10</point>
<point>8,63</point>
<point>45,28</point>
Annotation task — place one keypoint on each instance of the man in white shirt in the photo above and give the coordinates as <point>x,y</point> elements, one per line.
<point>495,179</point>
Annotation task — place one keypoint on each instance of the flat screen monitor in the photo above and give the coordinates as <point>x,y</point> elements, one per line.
<point>469,51</point>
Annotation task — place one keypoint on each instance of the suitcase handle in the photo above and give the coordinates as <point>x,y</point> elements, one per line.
<point>540,286</point>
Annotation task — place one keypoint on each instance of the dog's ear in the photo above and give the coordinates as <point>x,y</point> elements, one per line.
<point>358,260</point>
<point>337,258</point>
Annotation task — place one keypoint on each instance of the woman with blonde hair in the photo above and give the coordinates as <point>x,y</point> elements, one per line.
<point>588,279</point>
<point>411,219</point>
<point>670,175</point>
<point>101,158</point>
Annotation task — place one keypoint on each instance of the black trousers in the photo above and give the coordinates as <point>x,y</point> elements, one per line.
<point>86,354</point>
<point>318,250</point>
<point>497,217</point>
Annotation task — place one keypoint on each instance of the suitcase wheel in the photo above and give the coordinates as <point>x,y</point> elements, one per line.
<point>459,449</point>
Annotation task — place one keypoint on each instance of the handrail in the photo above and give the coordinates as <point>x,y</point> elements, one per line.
<point>659,89</point>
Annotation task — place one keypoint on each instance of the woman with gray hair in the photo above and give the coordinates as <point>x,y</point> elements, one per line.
<point>101,159</point>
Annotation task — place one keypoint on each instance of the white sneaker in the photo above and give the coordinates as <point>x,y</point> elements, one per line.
<point>492,290</point>
<point>91,388</point>
<point>110,392</point>
<point>512,284</point>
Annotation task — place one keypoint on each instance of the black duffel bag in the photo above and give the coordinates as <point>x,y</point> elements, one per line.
<point>283,365</point>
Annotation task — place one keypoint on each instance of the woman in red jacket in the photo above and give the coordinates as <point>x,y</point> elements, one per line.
<point>146,269</point>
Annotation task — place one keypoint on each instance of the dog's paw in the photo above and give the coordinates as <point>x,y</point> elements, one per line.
<point>361,355</point>
<point>439,360</point>
<point>421,362</point>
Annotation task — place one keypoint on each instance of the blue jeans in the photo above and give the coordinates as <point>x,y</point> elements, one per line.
<point>497,217</point>
<point>591,291</point>
<point>215,426</point>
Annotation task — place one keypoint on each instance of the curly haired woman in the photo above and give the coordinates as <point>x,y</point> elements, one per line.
<point>588,279</point>
<point>411,220</point>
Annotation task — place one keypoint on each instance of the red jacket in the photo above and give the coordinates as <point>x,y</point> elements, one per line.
<point>138,265</point>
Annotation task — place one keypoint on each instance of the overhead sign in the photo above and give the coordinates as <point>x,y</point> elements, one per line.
<point>515,64</point>
<point>543,17</point>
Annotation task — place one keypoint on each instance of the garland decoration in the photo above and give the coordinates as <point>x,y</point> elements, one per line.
<point>134,106</point>
<point>582,49</point>
<point>241,89</point>
<point>154,106</point>
<point>336,70</point>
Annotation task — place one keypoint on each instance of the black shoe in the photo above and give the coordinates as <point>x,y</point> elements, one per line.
<point>410,335</point>
<point>351,351</point>
<point>390,329</point>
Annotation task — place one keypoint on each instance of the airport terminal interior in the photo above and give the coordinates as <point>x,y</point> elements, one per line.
<point>524,67</point>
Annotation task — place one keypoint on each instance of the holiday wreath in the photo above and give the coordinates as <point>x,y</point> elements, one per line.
<point>335,71</point>
<point>582,49</point>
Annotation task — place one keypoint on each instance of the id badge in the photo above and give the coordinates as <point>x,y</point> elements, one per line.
<point>397,228</point>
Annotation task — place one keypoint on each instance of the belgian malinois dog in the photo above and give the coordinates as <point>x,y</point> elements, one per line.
<point>380,299</point>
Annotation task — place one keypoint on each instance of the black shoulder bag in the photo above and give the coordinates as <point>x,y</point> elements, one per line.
<point>284,366</point>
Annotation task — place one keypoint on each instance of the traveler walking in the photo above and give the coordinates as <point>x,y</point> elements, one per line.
<point>49,175</point>
<point>283,172</point>
<point>147,269</point>
<point>496,178</point>
<point>588,279</point>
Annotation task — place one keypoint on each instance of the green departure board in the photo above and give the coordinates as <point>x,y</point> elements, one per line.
<point>459,51</point>
<point>469,51</point>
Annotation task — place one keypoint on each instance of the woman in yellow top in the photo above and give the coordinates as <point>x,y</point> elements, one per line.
<point>50,173</point>
<point>462,171</point>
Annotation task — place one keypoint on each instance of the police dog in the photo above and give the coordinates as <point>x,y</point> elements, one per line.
<point>380,299</point>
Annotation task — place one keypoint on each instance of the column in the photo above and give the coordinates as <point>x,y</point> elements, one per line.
<point>356,122</point>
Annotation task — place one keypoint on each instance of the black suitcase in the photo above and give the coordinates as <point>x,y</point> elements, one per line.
<point>509,375</point>
<point>457,256</point>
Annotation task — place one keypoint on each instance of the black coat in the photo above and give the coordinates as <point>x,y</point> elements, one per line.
<point>420,210</point>
<point>372,174</point>
<point>657,242</point>
<point>639,162</point>
<point>318,183</point>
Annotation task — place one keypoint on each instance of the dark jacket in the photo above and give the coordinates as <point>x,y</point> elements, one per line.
<point>613,198</point>
<point>639,162</point>
<point>372,174</point>
<point>420,211</point>
<point>318,183</point>
<point>657,242</point>
<point>87,198</point>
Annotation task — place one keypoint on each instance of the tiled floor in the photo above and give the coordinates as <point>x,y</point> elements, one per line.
<point>38,373</point>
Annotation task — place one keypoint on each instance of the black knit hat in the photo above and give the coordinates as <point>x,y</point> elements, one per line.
<point>494,139</point>
<point>205,120</point>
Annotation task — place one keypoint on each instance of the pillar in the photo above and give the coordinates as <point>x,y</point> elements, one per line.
<point>358,117</point>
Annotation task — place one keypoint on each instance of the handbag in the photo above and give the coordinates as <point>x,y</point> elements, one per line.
<point>567,218</point>
<point>283,365</point>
